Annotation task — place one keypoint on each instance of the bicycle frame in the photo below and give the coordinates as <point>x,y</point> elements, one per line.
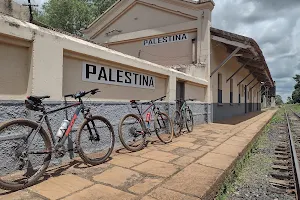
<point>141,113</point>
<point>155,110</point>
<point>44,117</point>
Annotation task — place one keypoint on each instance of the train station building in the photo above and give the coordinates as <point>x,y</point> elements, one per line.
<point>138,49</point>
<point>178,35</point>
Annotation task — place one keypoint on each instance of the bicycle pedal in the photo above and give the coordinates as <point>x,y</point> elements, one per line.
<point>75,150</point>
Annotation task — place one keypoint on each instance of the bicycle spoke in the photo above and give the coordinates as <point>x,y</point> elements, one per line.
<point>165,132</point>
<point>95,140</point>
<point>19,167</point>
<point>131,133</point>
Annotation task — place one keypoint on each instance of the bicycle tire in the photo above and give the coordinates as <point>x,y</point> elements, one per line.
<point>122,137</point>
<point>157,126</point>
<point>177,123</point>
<point>189,118</point>
<point>34,178</point>
<point>86,156</point>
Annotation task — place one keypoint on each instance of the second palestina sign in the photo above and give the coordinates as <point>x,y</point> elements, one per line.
<point>109,75</point>
<point>166,39</point>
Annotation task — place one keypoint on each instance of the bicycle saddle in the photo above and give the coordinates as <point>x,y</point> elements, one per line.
<point>37,99</point>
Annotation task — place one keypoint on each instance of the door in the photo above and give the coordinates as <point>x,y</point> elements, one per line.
<point>179,92</point>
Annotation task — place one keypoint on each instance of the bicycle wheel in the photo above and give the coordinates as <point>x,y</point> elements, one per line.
<point>189,120</point>
<point>25,153</point>
<point>177,123</point>
<point>131,133</point>
<point>95,140</point>
<point>163,127</point>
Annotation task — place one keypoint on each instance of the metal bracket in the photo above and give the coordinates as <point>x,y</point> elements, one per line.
<point>244,79</point>
<point>237,71</point>
<point>254,85</point>
<point>225,61</point>
<point>251,81</point>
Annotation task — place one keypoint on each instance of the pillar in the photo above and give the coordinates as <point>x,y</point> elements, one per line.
<point>171,88</point>
<point>203,48</point>
<point>47,67</point>
<point>171,94</point>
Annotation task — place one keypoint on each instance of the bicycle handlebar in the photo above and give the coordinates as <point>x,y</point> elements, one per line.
<point>159,99</point>
<point>82,93</point>
<point>152,101</point>
<point>181,100</point>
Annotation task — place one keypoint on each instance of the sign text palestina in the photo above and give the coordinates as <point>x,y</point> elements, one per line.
<point>166,39</point>
<point>108,75</point>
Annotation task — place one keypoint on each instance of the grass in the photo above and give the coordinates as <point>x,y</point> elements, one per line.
<point>236,176</point>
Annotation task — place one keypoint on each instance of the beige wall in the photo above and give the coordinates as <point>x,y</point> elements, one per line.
<point>164,54</point>
<point>72,82</point>
<point>52,73</point>
<point>15,67</point>
<point>140,17</point>
<point>195,92</point>
<point>219,53</point>
<point>9,7</point>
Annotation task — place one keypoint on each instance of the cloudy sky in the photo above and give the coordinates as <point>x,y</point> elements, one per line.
<point>274,24</point>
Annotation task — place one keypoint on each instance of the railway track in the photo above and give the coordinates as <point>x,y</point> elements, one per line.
<point>286,168</point>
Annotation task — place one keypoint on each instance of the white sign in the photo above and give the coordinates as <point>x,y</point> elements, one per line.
<point>108,75</point>
<point>166,39</point>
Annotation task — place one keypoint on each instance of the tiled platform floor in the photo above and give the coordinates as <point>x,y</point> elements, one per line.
<point>186,169</point>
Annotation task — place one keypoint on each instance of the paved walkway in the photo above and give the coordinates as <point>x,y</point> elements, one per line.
<point>187,169</point>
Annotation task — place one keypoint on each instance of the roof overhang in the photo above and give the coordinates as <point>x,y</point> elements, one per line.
<point>249,54</point>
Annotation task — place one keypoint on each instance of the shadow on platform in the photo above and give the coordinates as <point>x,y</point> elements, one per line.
<point>238,119</point>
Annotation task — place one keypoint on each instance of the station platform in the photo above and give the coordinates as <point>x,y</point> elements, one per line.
<point>191,167</point>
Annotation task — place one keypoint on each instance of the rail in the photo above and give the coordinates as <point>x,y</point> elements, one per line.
<point>295,161</point>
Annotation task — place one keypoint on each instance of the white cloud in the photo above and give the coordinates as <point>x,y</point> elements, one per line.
<point>275,25</point>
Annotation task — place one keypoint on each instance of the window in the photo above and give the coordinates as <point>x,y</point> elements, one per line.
<point>220,88</point>
<point>231,90</point>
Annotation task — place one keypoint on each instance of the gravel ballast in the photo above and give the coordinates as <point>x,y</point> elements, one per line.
<point>252,179</point>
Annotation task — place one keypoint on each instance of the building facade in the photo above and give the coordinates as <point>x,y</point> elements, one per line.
<point>138,49</point>
<point>151,49</point>
<point>178,34</point>
<point>11,8</point>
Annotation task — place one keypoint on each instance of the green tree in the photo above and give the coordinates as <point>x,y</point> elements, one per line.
<point>296,92</point>
<point>71,15</point>
<point>278,100</point>
<point>296,96</point>
<point>289,100</point>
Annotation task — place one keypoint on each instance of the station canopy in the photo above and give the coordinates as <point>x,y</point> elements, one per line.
<point>249,54</point>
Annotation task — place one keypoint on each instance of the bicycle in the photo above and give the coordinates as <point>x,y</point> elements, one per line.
<point>183,116</point>
<point>31,153</point>
<point>133,128</point>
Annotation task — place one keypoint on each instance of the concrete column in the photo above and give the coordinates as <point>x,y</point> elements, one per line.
<point>171,88</point>
<point>273,104</point>
<point>203,48</point>
<point>47,67</point>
